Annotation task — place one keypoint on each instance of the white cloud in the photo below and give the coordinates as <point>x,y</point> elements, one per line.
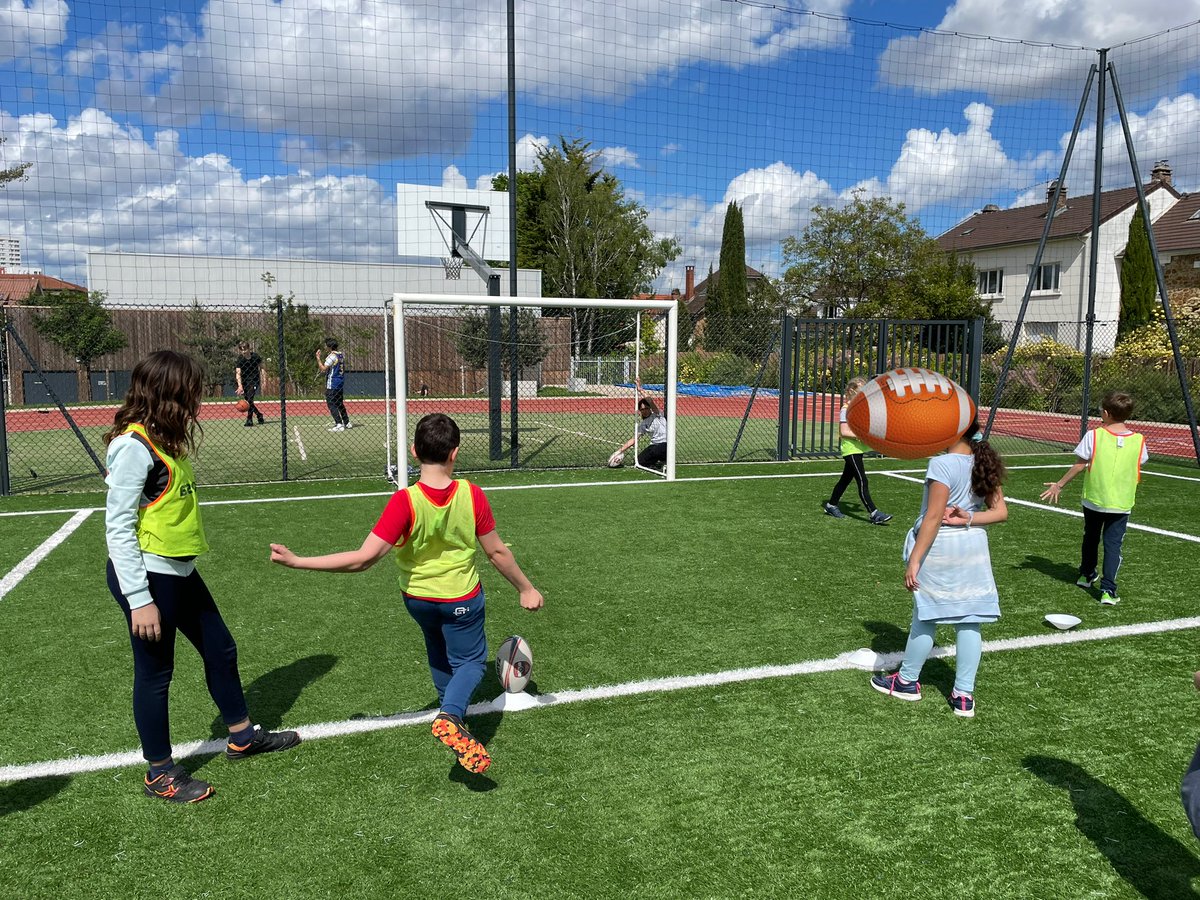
<point>940,167</point>
<point>381,80</point>
<point>1009,72</point>
<point>80,196</point>
<point>670,149</point>
<point>611,157</point>
<point>29,25</point>
<point>452,178</point>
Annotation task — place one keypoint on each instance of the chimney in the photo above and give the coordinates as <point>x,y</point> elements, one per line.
<point>1062,198</point>
<point>991,207</point>
<point>689,283</point>
<point>1161,173</point>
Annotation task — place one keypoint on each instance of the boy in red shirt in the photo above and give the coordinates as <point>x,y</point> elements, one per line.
<point>433,526</point>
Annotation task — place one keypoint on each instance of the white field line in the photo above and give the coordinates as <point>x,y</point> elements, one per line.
<point>78,764</point>
<point>538,487</point>
<point>27,565</point>
<point>582,434</point>
<point>1076,513</point>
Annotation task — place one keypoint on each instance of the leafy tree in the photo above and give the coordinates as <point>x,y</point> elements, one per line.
<point>846,257</point>
<point>471,339</point>
<point>303,334</point>
<point>16,173</point>
<point>1139,286</point>
<point>575,223</point>
<point>211,339</point>
<point>735,315</point>
<point>79,324</point>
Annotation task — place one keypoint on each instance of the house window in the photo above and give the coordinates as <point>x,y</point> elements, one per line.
<point>991,282</point>
<point>1045,278</point>
<point>1041,331</point>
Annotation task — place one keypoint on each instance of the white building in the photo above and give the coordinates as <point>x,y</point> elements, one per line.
<point>1002,243</point>
<point>10,252</point>
<point>175,280</point>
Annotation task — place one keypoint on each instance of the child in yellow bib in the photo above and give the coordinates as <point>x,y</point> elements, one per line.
<point>431,529</point>
<point>852,450</point>
<point>154,533</point>
<point>1111,457</point>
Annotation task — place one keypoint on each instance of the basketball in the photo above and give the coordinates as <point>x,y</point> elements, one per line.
<point>910,413</point>
<point>242,404</point>
<point>514,663</point>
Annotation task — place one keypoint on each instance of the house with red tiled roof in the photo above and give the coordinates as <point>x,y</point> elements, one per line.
<point>1177,239</point>
<point>16,288</point>
<point>1002,243</point>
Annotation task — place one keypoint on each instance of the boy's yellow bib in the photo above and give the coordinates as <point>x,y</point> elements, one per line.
<point>438,558</point>
<point>1114,471</point>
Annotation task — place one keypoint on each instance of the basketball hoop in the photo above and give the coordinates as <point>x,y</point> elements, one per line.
<point>453,266</point>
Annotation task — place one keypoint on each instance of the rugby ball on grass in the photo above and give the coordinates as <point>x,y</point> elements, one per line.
<point>514,664</point>
<point>910,413</point>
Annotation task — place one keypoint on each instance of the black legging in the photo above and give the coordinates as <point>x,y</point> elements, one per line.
<point>654,456</point>
<point>334,399</point>
<point>248,393</point>
<point>852,470</point>
<point>184,604</point>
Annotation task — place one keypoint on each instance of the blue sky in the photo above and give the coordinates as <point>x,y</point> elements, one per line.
<point>280,127</point>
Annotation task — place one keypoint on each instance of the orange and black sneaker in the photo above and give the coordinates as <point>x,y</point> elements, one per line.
<point>178,786</point>
<point>471,754</point>
<point>263,742</point>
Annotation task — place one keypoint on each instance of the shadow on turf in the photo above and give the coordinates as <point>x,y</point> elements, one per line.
<point>1052,568</point>
<point>273,693</point>
<point>890,638</point>
<point>23,795</point>
<point>1154,863</point>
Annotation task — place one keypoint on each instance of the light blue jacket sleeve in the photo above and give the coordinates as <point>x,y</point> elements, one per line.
<point>128,464</point>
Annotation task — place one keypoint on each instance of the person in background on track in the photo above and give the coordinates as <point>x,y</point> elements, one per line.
<point>334,367</point>
<point>248,372</point>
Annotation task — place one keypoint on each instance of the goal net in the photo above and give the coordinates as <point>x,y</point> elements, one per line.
<point>507,370</point>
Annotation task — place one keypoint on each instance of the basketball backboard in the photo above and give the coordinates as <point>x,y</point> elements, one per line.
<point>423,233</point>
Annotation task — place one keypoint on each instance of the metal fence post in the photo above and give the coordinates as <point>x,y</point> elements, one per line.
<point>282,350</point>
<point>785,388</point>
<point>5,487</point>
<point>975,362</point>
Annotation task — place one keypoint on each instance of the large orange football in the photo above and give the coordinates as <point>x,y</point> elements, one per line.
<point>910,413</point>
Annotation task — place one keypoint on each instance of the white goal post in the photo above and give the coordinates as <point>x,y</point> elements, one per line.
<point>401,301</point>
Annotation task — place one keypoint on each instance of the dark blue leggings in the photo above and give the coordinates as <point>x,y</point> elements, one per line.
<point>184,604</point>
<point>1109,527</point>
<point>456,646</point>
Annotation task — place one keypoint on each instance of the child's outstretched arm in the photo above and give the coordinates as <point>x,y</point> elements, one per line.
<point>373,549</point>
<point>506,564</point>
<point>1054,488</point>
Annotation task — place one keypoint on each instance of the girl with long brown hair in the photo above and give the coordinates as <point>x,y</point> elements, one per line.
<point>949,566</point>
<point>154,533</point>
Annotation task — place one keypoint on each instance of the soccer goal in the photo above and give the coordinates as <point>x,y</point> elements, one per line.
<point>502,368</point>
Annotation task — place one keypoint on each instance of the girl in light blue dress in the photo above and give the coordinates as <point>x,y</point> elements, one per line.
<point>949,567</point>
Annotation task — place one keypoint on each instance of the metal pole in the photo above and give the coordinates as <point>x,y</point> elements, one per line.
<point>387,392</point>
<point>5,486</point>
<point>785,383</point>
<point>514,372</point>
<point>495,375</point>
<point>672,375</point>
<point>1037,256</point>
<point>281,349</point>
<point>1158,273</point>
<point>401,394</point>
<point>1094,249</point>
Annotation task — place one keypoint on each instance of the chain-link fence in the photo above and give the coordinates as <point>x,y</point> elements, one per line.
<point>572,410</point>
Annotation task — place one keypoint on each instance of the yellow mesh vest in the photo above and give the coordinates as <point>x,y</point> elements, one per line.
<point>438,559</point>
<point>1113,472</point>
<point>170,524</point>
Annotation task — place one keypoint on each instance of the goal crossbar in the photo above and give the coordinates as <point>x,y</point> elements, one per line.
<point>400,300</point>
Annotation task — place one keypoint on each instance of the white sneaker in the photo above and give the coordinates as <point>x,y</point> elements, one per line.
<point>338,427</point>
<point>349,425</point>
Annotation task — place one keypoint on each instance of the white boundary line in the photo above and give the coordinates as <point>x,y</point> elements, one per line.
<point>565,484</point>
<point>79,764</point>
<point>27,565</point>
<point>1074,512</point>
<point>582,434</point>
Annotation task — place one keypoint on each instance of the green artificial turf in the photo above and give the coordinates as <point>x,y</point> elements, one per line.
<point>1065,785</point>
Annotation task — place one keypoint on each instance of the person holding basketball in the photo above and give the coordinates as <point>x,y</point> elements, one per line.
<point>248,372</point>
